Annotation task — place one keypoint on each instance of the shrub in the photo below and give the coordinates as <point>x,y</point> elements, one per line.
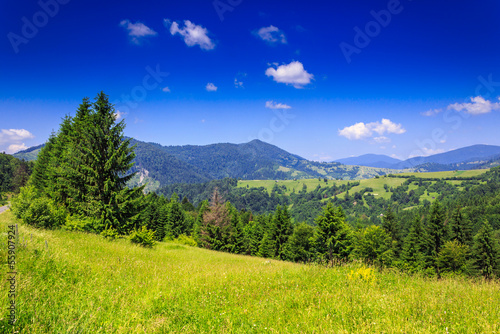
<point>186,240</point>
<point>22,202</point>
<point>143,237</point>
<point>110,233</point>
<point>44,213</point>
<point>78,223</point>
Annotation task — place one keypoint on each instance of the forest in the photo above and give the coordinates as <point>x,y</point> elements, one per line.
<point>79,182</point>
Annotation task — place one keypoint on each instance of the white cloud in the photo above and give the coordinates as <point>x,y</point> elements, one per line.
<point>119,115</point>
<point>14,148</point>
<point>432,112</point>
<point>191,33</point>
<point>271,34</point>
<point>166,89</point>
<point>137,30</point>
<point>13,139</point>
<point>293,74</point>
<point>274,105</point>
<point>382,139</point>
<point>477,106</point>
<point>361,130</point>
<point>210,87</point>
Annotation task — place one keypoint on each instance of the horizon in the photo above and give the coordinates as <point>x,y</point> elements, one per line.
<point>320,80</point>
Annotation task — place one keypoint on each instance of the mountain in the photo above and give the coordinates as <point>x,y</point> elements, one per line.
<point>370,160</point>
<point>465,155</point>
<point>471,157</point>
<point>159,165</point>
<point>250,161</point>
<point>29,154</point>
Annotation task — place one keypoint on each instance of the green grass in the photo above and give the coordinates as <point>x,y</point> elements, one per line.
<point>290,184</point>
<point>85,284</point>
<point>376,183</point>
<point>459,173</point>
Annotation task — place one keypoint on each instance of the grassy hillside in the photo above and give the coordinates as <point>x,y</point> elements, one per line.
<point>376,183</point>
<point>82,283</point>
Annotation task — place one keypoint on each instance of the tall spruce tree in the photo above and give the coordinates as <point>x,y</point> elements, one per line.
<point>436,232</point>
<point>85,167</point>
<point>413,253</point>
<point>460,228</point>
<point>281,230</point>
<point>333,239</point>
<point>486,252</point>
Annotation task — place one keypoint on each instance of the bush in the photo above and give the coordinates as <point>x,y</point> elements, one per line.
<point>110,233</point>
<point>143,237</point>
<point>42,212</point>
<point>22,202</point>
<point>78,223</point>
<point>186,240</point>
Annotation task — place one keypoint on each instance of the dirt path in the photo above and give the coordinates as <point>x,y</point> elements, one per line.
<point>3,208</point>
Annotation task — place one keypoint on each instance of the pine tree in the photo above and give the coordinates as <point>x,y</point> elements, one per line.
<point>281,230</point>
<point>333,238</point>
<point>460,228</point>
<point>266,247</point>
<point>84,167</point>
<point>413,253</point>
<point>436,231</point>
<point>390,224</point>
<point>176,220</point>
<point>486,252</point>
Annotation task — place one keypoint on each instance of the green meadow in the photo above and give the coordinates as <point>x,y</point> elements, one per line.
<point>377,184</point>
<point>70,282</point>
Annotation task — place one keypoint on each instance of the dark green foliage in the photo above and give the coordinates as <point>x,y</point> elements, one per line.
<point>37,211</point>
<point>143,237</point>
<point>84,167</point>
<point>460,228</point>
<point>436,232</point>
<point>280,231</point>
<point>373,245</point>
<point>300,245</point>
<point>14,173</point>
<point>266,247</point>
<point>333,240</point>
<point>453,257</point>
<point>486,252</point>
<point>252,235</point>
<point>176,223</point>
<point>413,253</point>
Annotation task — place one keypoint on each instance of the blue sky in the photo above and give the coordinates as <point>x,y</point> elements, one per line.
<point>322,79</point>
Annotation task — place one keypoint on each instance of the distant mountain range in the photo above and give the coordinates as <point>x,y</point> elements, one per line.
<point>160,165</point>
<point>476,156</point>
<point>253,160</point>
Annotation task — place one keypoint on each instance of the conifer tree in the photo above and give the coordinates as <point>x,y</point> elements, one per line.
<point>486,252</point>
<point>436,232</point>
<point>413,253</point>
<point>460,228</point>
<point>176,220</point>
<point>266,247</point>
<point>281,229</point>
<point>333,239</point>
<point>85,167</point>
